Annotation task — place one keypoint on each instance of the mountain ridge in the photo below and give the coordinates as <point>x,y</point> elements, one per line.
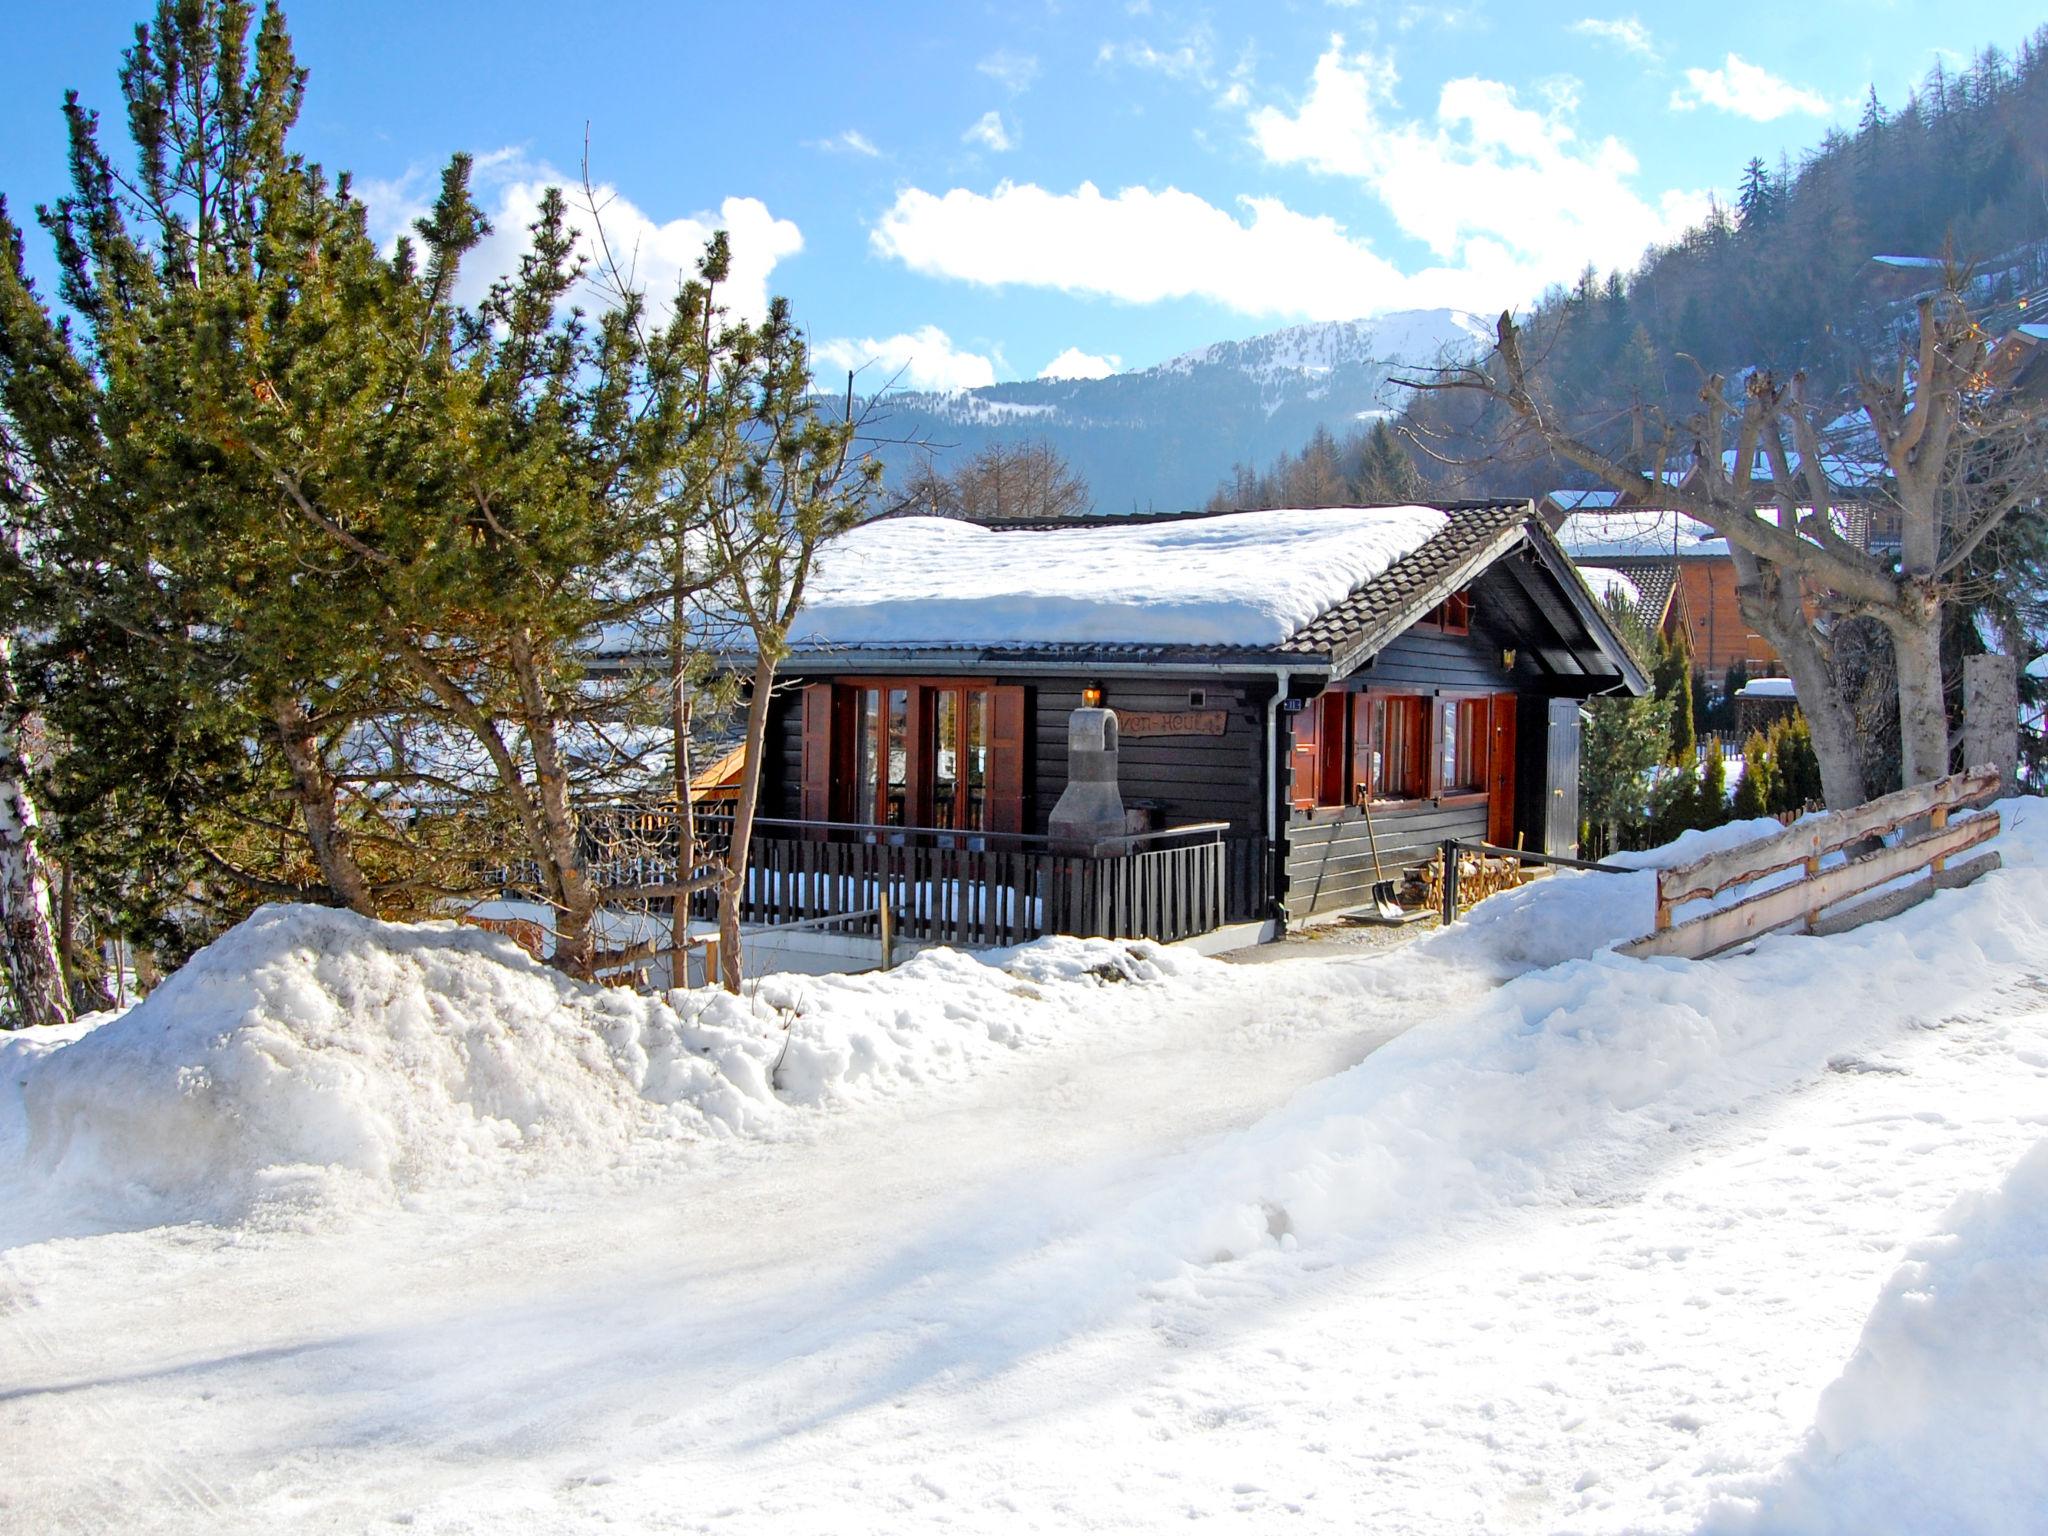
<point>1163,437</point>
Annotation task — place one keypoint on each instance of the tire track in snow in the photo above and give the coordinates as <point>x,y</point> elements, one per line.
<point>79,1405</point>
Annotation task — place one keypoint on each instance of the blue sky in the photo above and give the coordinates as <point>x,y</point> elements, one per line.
<point>966,193</point>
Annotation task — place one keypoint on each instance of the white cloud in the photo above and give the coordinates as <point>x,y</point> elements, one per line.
<point>1076,364</point>
<point>1625,32</point>
<point>1502,191</point>
<point>922,359</point>
<point>1192,58</point>
<point>1014,72</point>
<point>1144,246</point>
<point>988,129</point>
<point>658,254</point>
<point>849,141</point>
<point>1747,90</point>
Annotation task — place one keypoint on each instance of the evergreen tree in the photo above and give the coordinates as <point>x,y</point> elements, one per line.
<point>1758,790</point>
<point>1796,769</point>
<point>1713,793</point>
<point>1389,473</point>
<point>1625,740</point>
<point>1757,201</point>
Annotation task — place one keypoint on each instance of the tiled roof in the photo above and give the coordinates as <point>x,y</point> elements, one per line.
<point>1653,576</point>
<point>1411,586</point>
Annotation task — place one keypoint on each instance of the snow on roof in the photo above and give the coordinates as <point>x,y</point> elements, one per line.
<point>1636,531</point>
<point>1608,584</point>
<point>1766,688</point>
<point>1916,263</point>
<point>2033,330</point>
<point>1242,578</point>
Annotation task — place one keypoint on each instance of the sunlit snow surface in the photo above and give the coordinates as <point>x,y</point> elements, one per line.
<point>1245,578</point>
<point>1495,1231</point>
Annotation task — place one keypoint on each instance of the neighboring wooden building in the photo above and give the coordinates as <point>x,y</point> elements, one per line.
<point>1685,578</point>
<point>924,710</point>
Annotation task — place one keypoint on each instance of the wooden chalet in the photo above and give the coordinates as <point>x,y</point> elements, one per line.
<point>920,739</point>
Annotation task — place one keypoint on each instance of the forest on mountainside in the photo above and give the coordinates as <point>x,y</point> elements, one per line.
<point>1788,277</point>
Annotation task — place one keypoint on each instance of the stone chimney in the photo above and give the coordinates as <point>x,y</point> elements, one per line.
<point>1090,815</point>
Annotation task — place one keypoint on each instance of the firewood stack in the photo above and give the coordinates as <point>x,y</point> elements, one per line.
<point>1479,876</point>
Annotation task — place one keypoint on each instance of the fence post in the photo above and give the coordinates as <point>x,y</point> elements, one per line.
<point>888,926</point>
<point>1450,857</point>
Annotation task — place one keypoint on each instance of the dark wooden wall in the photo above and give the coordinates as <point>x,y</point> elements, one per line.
<point>1328,861</point>
<point>1192,778</point>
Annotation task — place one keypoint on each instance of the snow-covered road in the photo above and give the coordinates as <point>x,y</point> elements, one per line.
<point>1581,1253</point>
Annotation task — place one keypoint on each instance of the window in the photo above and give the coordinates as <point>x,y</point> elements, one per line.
<point>1467,744</point>
<point>906,752</point>
<point>1397,764</point>
<point>1453,615</point>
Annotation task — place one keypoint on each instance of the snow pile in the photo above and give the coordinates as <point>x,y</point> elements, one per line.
<point>1571,914</point>
<point>311,1053</point>
<point>1936,1423</point>
<point>1595,1060</point>
<point>1245,578</point>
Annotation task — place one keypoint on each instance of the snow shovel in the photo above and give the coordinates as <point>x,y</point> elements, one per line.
<point>1384,906</point>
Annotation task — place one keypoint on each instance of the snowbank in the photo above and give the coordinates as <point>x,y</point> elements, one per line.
<point>1245,578</point>
<point>1590,1062</point>
<point>312,1053</point>
<point>1936,1423</point>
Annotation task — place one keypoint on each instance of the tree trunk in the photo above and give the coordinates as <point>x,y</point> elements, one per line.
<point>1923,702</point>
<point>315,790</point>
<point>561,846</point>
<point>686,816</point>
<point>85,980</point>
<point>1770,601</point>
<point>28,939</point>
<point>743,827</point>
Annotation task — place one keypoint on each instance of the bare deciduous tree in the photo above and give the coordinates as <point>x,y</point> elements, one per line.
<point>1959,458</point>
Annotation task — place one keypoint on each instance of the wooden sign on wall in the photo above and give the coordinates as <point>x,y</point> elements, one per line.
<point>1172,722</point>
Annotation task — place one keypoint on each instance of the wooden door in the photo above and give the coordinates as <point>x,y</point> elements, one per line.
<point>1561,800</point>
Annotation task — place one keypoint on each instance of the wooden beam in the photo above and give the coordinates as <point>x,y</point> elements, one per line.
<point>1822,835</point>
<point>1757,915</point>
<point>1554,613</point>
<point>1904,898</point>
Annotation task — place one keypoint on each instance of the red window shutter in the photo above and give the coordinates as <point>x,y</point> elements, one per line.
<point>1500,784</point>
<point>1006,747</point>
<point>817,796</point>
<point>1306,758</point>
<point>1336,740</point>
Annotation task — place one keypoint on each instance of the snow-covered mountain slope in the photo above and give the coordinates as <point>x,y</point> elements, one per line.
<point>1162,438</point>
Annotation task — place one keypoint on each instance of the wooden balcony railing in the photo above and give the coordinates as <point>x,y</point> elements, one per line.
<point>966,889</point>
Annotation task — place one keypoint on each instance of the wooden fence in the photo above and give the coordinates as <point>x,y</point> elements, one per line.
<point>1815,898</point>
<point>976,897</point>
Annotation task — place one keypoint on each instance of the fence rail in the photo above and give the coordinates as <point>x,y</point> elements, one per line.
<point>1929,840</point>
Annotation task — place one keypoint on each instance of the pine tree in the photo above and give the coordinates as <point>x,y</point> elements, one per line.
<point>1757,200</point>
<point>1713,792</point>
<point>1755,794</point>
<point>1389,472</point>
